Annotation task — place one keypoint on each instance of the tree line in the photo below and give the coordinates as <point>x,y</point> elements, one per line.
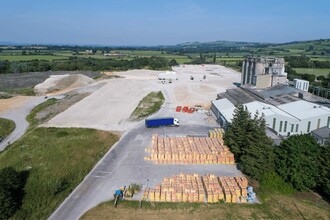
<point>298,163</point>
<point>76,63</point>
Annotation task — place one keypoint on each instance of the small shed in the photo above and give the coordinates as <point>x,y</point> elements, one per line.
<point>322,135</point>
<point>168,75</point>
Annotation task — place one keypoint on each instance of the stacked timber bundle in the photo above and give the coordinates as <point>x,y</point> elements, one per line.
<point>189,150</point>
<point>196,188</point>
<point>216,133</point>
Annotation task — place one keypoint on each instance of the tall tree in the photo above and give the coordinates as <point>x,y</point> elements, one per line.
<point>214,57</point>
<point>246,137</point>
<point>235,135</point>
<point>257,153</point>
<point>297,161</point>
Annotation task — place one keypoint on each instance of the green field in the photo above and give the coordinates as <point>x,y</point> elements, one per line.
<point>314,71</point>
<point>32,57</point>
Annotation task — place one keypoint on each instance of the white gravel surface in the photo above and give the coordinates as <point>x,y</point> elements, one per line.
<point>110,107</point>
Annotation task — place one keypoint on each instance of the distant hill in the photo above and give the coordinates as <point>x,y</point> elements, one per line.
<point>239,46</point>
<point>219,44</point>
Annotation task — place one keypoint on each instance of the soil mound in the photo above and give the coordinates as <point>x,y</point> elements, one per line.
<point>60,82</point>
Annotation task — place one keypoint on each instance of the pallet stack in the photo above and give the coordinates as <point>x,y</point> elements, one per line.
<point>195,188</point>
<point>189,150</point>
<point>216,133</point>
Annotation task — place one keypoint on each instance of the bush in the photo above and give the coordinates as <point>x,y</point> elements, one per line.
<point>11,192</point>
<point>273,183</point>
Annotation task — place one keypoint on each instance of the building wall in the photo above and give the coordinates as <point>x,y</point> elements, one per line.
<point>219,117</point>
<point>303,127</point>
<point>282,124</point>
<point>279,80</point>
<point>263,81</point>
<point>302,124</point>
<point>301,84</point>
<point>254,67</point>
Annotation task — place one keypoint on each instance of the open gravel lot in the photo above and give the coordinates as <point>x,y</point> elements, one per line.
<point>109,107</point>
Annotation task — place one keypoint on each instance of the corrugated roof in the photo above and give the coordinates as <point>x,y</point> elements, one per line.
<point>323,132</point>
<point>225,107</point>
<point>265,109</point>
<point>223,104</point>
<point>302,109</point>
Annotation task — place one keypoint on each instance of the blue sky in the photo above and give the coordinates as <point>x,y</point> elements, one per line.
<point>162,22</point>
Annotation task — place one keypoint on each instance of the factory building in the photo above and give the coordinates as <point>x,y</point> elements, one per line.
<point>298,117</point>
<point>301,84</point>
<point>263,72</point>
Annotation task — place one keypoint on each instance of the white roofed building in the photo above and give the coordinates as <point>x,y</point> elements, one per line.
<point>298,117</point>
<point>168,75</point>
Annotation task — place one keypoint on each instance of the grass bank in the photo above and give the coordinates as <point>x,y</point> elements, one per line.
<point>6,127</point>
<point>275,207</point>
<point>27,91</point>
<point>148,105</point>
<point>57,160</point>
<point>35,121</point>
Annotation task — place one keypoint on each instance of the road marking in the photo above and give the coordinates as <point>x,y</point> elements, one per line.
<point>100,174</point>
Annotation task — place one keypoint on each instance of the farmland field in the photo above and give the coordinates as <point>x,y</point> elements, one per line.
<point>314,71</point>
<point>32,57</point>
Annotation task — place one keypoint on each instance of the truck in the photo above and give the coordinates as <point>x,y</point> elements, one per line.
<point>157,122</point>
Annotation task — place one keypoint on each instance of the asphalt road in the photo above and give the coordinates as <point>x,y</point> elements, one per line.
<point>18,115</point>
<point>125,164</point>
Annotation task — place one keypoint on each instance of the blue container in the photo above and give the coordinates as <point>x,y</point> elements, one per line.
<point>157,122</point>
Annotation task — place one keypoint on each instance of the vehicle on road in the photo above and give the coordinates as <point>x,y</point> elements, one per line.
<point>157,122</point>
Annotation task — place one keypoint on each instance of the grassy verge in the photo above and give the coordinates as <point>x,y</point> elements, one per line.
<point>148,105</point>
<point>28,91</point>
<point>33,120</point>
<point>101,77</point>
<point>57,160</point>
<point>6,127</point>
<point>276,207</point>
<point>4,95</point>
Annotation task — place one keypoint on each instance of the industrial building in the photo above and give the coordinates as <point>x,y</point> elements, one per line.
<point>263,72</point>
<point>298,117</point>
<point>301,84</point>
<point>168,75</point>
<point>285,112</point>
